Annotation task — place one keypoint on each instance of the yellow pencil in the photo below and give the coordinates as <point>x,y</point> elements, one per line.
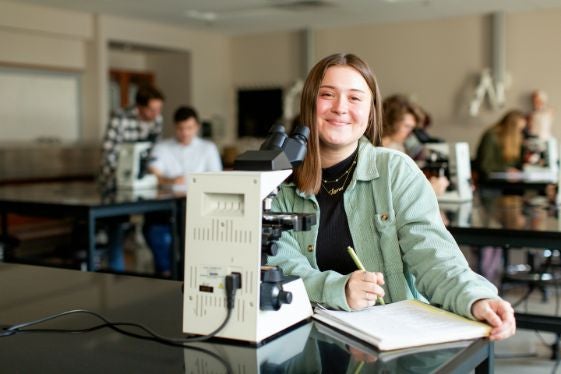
<point>358,368</point>
<point>359,265</point>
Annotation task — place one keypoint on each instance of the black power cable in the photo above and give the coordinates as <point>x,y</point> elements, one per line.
<point>233,282</point>
<point>218,358</point>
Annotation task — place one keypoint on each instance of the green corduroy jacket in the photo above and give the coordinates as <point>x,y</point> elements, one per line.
<point>397,230</point>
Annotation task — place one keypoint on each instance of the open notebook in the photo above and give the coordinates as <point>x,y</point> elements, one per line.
<point>404,324</point>
<point>385,356</point>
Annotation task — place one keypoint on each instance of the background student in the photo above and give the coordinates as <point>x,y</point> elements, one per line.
<point>376,201</point>
<point>541,117</point>
<point>500,150</point>
<point>185,153</point>
<point>140,123</point>
<point>401,116</point>
<point>500,147</point>
<point>173,160</point>
<point>420,132</point>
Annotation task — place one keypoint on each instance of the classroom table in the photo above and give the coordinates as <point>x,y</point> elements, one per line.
<point>85,202</point>
<point>36,292</point>
<point>496,219</point>
<point>512,222</point>
<point>520,182</point>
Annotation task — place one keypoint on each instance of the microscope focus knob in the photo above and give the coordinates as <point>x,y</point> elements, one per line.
<point>271,248</point>
<point>285,297</point>
<point>272,296</point>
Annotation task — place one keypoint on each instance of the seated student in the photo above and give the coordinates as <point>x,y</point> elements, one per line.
<point>500,147</point>
<point>500,150</point>
<point>173,160</point>
<point>386,210</point>
<point>541,117</point>
<point>414,144</point>
<point>420,131</point>
<point>400,118</point>
<point>185,153</point>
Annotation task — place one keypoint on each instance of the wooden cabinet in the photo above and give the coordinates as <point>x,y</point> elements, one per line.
<point>124,84</point>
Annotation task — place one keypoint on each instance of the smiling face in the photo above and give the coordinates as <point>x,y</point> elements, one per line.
<point>342,109</point>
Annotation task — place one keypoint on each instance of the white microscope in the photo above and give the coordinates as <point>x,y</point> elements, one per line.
<point>132,164</point>
<point>230,231</point>
<point>452,160</point>
<point>541,159</point>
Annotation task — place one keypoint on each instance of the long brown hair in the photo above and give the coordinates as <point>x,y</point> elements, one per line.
<point>308,175</point>
<point>509,135</point>
<point>395,108</point>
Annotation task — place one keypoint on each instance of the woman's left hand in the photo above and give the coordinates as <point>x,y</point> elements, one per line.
<point>497,313</point>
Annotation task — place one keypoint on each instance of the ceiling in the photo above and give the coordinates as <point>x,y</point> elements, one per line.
<point>234,17</point>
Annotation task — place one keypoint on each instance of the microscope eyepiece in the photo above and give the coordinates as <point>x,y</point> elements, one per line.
<point>278,151</point>
<point>301,134</point>
<point>276,138</point>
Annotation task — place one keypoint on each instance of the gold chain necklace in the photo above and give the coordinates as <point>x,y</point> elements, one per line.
<point>345,173</point>
<point>334,191</point>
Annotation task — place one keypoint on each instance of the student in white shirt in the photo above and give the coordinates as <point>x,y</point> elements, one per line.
<point>185,153</point>
<point>173,160</point>
<point>541,117</point>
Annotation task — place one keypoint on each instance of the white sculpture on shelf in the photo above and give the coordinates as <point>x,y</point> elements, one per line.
<point>487,87</point>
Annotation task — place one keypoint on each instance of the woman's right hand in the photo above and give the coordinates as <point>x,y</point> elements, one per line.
<point>363,288</point>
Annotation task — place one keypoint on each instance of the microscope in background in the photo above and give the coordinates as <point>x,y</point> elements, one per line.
<point>231,230</point>
<point>451,160</point>
<point>132,167</point>
<point>541,159</point>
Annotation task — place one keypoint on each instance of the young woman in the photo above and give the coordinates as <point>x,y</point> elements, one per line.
<point>376,200</point>
<point>500,147</point>
<point>401,117</point>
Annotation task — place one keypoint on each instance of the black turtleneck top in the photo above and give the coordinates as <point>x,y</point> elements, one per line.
<point>334,235</point>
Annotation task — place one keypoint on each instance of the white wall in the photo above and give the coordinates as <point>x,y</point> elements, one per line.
<point>127,60</point>
<point>534,58</point>
<point>41,37</point>
<point>39,105</point>
<point>270,59</point>
<point>172,75</point>
<point>50,41</point>
<point>210,62</point>
<point>436,61</point>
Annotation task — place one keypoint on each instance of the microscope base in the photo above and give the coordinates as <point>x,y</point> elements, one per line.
<point>146,183</point>
<point>272,322</point>
<point>247,322</point>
